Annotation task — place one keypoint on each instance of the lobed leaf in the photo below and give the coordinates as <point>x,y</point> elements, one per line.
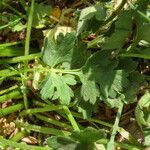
<point>59,51</point>
<point>39,15</point>
<point>84,139</point>
<point>57,87</point>
<point>123,28</point>
<point>98,12</point>
<point>99,76</point>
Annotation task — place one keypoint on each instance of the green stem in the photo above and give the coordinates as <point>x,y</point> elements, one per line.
<point>52,121</point>
<point>116,12</point>
<point>18,136</point>
<point>75,71</point>
<point>8,89</point>
<point>14,10</point>
<point>111,143</point>
<point>71,118</point>
<point>139,12</point>
<point>41,129</point>
<point>10,109</point>
<point>23,3</point>
<point>122,131</point>
<point>4,142</point>
<point>113,15</point>
<point>27,47</point>
<point>92,120</point>
<point>16,78</point>
<point>12,73</point>
<point>120,144</point>
<point>39,103</point>
<point>145,56</point>
<point>14,94</point>
<point>10,23</point>
<point>128,137</point>
<point>10,44</point>
<point>29,26</point>
<point>39,110</point>
<point>20,59</point>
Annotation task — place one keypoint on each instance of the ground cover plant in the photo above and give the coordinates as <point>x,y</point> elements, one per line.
<point>74,74</point>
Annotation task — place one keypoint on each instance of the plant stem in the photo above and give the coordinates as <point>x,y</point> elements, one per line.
<point>71,118</point>
<point>29,26</point>
<point>10,23</point>
<point>144,56</point>
<point>52,121</point>
<point>122,131</point>
<point>113,15</point>
<point>92,120</point>
<point>10,109</point>
<point>10,44</point>
<point>12,73</point>
<point>75,71</point>
<point>39,110</point>
<point>8,89</point>
<point>111,143</point>
<point>139,12</point>
<point>20,59</point>
<point>14,10</point>
<point>128,136</point>
<point>41,129</point>
<point>18,136</point>
<point>116,12</point>
<point>23,3</point>
<point>27,47</point>
<point>4,142</point>
<point>16,78</point>
<point>11,95</point>
<point>120,144</point>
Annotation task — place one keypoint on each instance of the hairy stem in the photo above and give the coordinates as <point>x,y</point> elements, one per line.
<point>71,118</point>
<point>111,143</point>
<point>41,129</point>
<point>10,109</point>
<point>14,94</point>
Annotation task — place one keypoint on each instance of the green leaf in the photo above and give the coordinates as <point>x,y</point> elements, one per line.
<point>99,71</point>
<point>57,87</point>
<point>61,143</point>
<point>18,27</point>
<point>55,52</point>
<point>89,89</point>
<point>89,13</point>
<point>136,80</point>
<point>77,140</point>
<point>88,135</point>
<point>127,64</point>
<point>39,15</point>
<point>85,107</point>
<point>146,132</point>
<point>144,32</point>
<point>123,27</point>
<point>143,110</point>
<point>140,53</point>
<point>79,55</point>
<point>142,114</point>
<point>9,20</point>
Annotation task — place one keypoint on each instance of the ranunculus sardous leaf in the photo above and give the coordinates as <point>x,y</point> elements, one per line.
<point>57,87</point>
<point>60,50</point>
<point>82,140</point>
<point>101,78</point>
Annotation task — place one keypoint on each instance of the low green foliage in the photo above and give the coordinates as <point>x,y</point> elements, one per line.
<point>57,87</point>
<point>103,58</point>
<point>77,140</point>
<point>142,114</point>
